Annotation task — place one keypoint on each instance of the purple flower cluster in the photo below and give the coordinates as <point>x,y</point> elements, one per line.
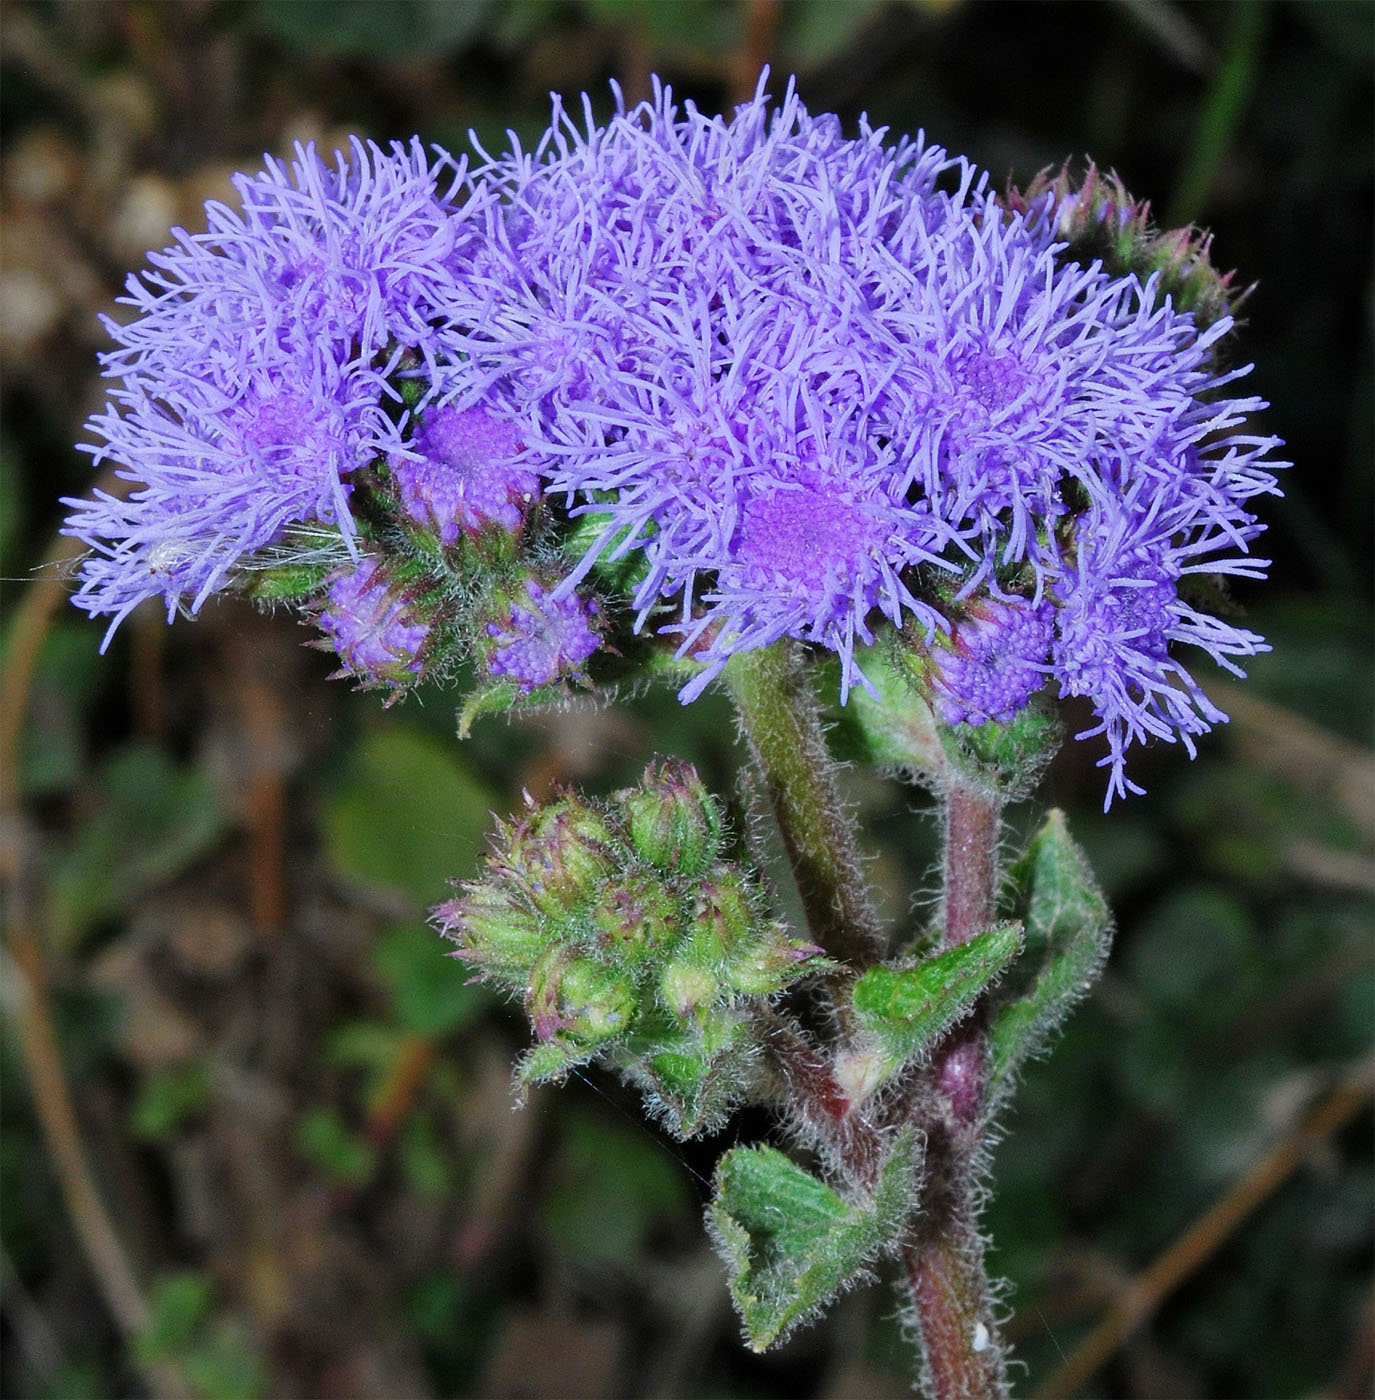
<point>811,381</point>
<point>255,378</point>
<point>819,381</point>
<point>541,638</point>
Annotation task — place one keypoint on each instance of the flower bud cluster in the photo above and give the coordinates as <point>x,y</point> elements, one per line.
<point>460,570</point>
<point>1096,217</point>
<point>626,933</point>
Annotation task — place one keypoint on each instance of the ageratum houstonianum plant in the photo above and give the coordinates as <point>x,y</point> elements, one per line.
<point>820,419</point>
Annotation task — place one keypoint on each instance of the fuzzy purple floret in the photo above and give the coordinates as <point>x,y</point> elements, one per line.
<point>542,639</point>
<point>376,634</point>
<point>791,366</point>
<point>996,661</point>
<point>460,472</point>
<point>254,375</point>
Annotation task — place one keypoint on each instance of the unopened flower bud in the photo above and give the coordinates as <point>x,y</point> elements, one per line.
<point>461,472</point>
<point>379,633</point>
<point>635,918</point>
<point>496,931</point>
<point>994,660</point>
<point>985,682</point>
<point>772,962</point>
<point>674,821</point>
<point>564,854</point>
<point>578,999</point>
<point>534,639</point>
<point>686,985</point>
<point>1099,220</point>
<point>724,918</point>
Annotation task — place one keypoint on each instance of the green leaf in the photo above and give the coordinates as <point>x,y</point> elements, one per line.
<point>328,1145</point>
<point>550,1061</point>
<point>908,1010</point>
<point>790,1242</point>
<point>152,818</point>
<point>425,995</point>
<point>167,1098</point>
<point>1067,922</point>
<point>411,815</point>
<point>501,697</point>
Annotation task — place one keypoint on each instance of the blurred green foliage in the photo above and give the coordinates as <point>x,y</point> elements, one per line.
<point>409,815</point>
<point>334,1086</point>
<point>149,819</point>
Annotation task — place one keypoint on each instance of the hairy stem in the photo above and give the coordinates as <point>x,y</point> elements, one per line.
<point>972,819</point>
<point>778,714</point>
<point>818,1102</point>
<point>944,1258</point>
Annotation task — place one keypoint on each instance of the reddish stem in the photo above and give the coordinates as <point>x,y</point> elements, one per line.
<point>944,1258</point>
<point>971,861</point>
<point>819,1101</point>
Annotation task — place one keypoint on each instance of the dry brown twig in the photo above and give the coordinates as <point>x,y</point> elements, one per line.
<point>26,975</point>
<point>1142,1296</point>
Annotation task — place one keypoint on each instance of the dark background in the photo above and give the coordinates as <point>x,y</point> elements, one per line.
<point>217,863</point>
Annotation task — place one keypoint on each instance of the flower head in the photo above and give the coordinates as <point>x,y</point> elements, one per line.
<point>997,660</point>
<point>379,636</point>
<point>822,381</point>
<point>460,472</point>
<point>540,637</point>
<point>255,374</point>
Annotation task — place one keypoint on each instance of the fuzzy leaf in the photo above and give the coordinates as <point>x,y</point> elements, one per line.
<point>892,726</point>
<point>1067,920</point>
<point>790,1242</point>
<point>500,697</point>
<point>908,1010</point>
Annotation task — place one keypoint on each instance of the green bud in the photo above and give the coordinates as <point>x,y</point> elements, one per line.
<point>578,999</point>
<point>687,985</point>
<point>496,931</point>
<point>636,918</point>
<point>773,962</point>
<point>565,854</point>
<point>1099,220</point>
<point>693,1079</point>
<point>724,919</point>
<point>674,821</point>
